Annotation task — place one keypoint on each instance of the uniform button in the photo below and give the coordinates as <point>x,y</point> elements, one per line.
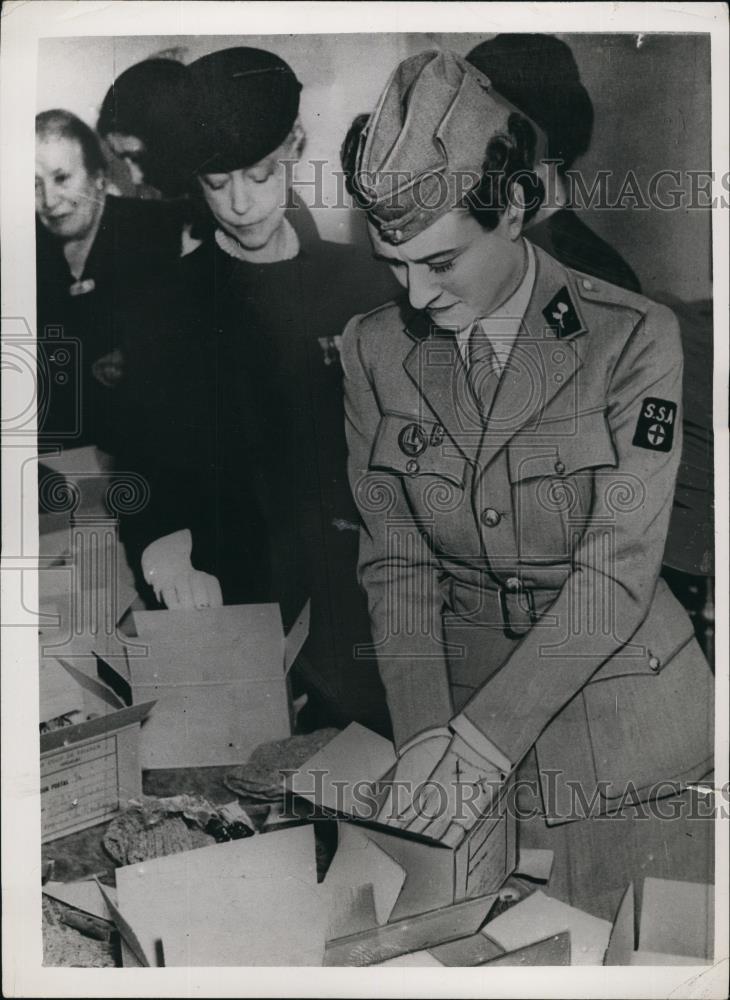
<point>412,467</point>
<point>491,517</point>
<point>654,663</point>
<point>512,584</point>
<point>559,468</point>
<point>587,284</point>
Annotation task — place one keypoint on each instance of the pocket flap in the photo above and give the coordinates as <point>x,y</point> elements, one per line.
<point>562,447</point>
<point>665,630</point>
<point>412,446</point>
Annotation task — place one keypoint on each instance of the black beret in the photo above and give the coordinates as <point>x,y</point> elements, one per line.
<point>244,103</point>
<point>149,101</point>
<point>539,75</point>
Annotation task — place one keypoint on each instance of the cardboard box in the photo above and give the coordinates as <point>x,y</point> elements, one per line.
<point>436,875</point>
<point>88,770</point>
<point>220,680</point>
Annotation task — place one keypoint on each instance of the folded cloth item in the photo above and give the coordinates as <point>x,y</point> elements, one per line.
<point>131,837</point>
<point>260,778</point>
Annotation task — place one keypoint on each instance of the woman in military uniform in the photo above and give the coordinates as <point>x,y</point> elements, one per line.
<point>514,432</point>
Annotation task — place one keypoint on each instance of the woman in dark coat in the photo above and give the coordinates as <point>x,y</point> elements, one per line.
<point>94,253</point>
<point>234,390</point>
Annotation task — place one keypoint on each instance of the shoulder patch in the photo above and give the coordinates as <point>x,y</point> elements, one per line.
<point>655,426</point>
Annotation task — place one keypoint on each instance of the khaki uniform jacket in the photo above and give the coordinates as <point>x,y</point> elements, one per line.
<point>512,572</point>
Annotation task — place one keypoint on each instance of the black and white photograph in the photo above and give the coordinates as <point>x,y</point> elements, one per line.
<point>364,438</point>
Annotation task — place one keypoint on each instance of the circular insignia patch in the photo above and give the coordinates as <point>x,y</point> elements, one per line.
<point>412,439</point>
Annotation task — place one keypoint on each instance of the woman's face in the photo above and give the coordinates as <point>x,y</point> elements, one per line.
<point>456,270</point>
<point>67,198</point>
<point>249,204</point>
<point>130,149</point>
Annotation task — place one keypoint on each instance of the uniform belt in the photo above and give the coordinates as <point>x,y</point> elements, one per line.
<point>514,605</point>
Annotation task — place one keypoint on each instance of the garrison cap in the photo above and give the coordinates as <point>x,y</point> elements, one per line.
<point>424,146</point>
<point>244,103</point>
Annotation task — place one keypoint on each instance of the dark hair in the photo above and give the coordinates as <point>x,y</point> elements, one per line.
<point>509,160</point>
<point>539,75</point>
<point>64,125</point>
<point>349,151</point>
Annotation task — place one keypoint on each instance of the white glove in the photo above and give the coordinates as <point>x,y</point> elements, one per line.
<point>416,761</point>
<point>450,786</point>
<point>166,566</point>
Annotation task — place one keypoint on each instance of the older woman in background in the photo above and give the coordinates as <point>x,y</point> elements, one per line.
<point>94,254</point>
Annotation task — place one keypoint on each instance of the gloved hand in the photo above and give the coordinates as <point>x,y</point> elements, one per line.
<point>167,568</point>
<point>416,761</point>
<point>449,796</point>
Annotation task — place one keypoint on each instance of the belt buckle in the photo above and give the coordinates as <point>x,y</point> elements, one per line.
<point>506,621</point>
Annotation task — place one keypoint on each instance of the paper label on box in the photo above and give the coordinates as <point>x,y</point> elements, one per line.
<point>79,784</point>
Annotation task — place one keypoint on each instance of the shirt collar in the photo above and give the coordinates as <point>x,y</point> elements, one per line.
<point>502,326</point>
<point>513,310</point>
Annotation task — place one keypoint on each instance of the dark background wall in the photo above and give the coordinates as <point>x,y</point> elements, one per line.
<point>651,95</point>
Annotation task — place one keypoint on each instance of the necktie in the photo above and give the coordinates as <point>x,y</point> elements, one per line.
<point>483,370</point>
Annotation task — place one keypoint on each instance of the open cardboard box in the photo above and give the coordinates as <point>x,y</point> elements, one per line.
<point>220,680</point>
<point>89,770</point>
<point>436,875</point>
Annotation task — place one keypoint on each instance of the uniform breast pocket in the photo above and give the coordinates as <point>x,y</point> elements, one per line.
<point>433,473</point>
<point>553,477</point>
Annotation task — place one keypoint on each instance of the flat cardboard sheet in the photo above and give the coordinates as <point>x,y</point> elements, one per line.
<point>247,902</point>
<point>539,916</point>
<point>218,676</point>
<point>659,958</point>
<point>331,778</point>
<point>85,895</point>
<point>554,950</point>
<point>677,918</point>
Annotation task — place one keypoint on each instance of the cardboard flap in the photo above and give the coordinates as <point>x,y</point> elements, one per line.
<point>296,637</point>
<point>539,916</point>
<point>69,735</point>
<point>237,642</point>
<point>128,936</point>
<point>95,687</point>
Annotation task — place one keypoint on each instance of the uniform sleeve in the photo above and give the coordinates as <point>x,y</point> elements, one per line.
<point>395,568</point>
<point>617,562</point>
